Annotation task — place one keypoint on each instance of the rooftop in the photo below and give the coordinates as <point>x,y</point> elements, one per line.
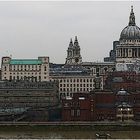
<point>25,62</point>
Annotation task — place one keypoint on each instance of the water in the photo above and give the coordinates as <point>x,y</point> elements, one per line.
<point>67,134</point>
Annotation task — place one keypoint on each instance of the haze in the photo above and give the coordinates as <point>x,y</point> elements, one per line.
<point>32,29</point>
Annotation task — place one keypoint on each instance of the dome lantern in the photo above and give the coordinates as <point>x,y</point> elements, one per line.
<point>132,18</point>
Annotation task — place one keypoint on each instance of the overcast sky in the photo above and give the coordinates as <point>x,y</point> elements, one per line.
<point>32,29</point>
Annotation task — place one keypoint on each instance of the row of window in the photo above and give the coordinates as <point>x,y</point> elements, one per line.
<point>75,113</point>
<point>76,80</point>
<point>76,85</point>
<point>25,73</point>
<point>24,68</point>
<point>75,89</point>
<point>25,78</point>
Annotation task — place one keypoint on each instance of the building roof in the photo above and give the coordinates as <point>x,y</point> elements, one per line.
<point>25,62</point>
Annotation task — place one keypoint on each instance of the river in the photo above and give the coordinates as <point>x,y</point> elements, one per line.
<point>67,134</point>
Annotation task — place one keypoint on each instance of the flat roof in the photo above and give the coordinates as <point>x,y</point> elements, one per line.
<point>25,62</point>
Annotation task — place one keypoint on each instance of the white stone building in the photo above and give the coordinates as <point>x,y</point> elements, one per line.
<point>128,49</point>
<point>25,69</point>
<point>70,84</point>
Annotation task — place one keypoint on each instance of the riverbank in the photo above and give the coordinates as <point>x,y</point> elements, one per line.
<point>64,134</point>
<point>123,131</point>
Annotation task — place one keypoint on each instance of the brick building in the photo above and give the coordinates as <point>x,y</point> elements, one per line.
<point>102,106</point>
<point>80,107</point>
<point>127,80</point>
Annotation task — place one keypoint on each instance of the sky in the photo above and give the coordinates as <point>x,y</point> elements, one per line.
<point>29,29</point>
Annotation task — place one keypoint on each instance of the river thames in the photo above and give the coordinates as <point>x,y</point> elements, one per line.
<point>68,134</point>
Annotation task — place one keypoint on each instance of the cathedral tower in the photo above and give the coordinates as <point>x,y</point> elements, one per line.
<point>73,53</point>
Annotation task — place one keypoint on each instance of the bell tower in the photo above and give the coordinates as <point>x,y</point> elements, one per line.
<point>73,53</point>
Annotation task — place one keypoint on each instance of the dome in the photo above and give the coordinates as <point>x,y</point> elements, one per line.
<point>122,92</point>
<point>132,31</point>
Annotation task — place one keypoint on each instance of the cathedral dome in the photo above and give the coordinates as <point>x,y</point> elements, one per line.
<point>132,31</point>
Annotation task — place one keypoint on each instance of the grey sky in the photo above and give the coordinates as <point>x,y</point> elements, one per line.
<point>32,29</point>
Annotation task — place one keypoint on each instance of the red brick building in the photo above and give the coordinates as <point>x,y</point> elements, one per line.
<point>78,108</point>
<point>102,106</point>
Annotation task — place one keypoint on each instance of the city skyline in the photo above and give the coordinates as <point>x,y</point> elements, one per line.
<point>31,29</point>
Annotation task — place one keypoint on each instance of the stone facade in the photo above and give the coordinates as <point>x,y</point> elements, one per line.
<point>68,85</point>
<point>25,69</point>
<point>73,53</point>
<point>128,49</point>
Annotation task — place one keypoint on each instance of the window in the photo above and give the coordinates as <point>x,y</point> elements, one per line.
<point>5,68</point>
<point>45,69</point>
<point>78,112</point>
<point>10,77</point>
<point>72,112</point>
<point>66,104</point>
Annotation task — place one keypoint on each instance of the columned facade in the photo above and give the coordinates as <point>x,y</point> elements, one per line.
<point>128,50</point>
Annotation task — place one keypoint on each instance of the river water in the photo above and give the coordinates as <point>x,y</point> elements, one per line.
<point>67,134</point>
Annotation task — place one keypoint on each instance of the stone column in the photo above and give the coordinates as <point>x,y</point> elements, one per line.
<point>137,52</point>
<point>132,52</point>
<point>117,53</point>
<point>126,52</point>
